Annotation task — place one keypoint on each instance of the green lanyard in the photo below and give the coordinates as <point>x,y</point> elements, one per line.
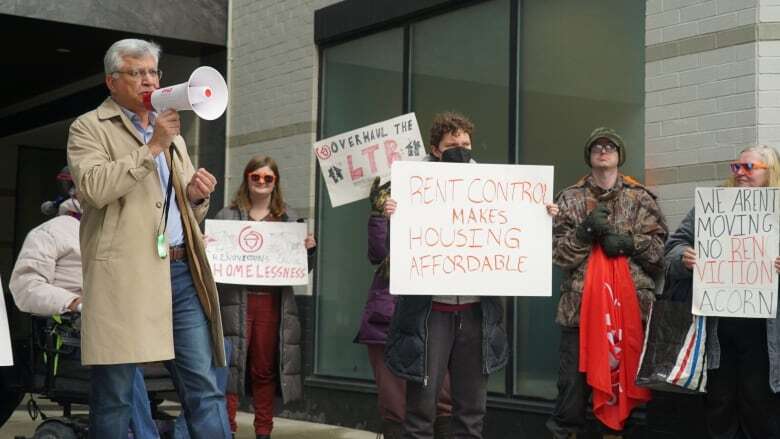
<point>162,246</point>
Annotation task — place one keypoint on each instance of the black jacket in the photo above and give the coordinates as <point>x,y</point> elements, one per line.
<point>407,341</point>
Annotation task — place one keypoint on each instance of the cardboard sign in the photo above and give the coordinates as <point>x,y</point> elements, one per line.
<point>471,229</point>
<point>6,352</point>
<point>350,161</point>
<point>737,238</point>
<point>257,252</point>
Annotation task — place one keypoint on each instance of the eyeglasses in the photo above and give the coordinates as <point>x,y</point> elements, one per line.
<point>137,74</point>
<point>608,147</point>
<point>747,167</point>
<point>256,177</point>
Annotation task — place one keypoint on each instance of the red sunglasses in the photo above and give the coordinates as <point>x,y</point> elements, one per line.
<point>266,178</point>
<point>747,167</point>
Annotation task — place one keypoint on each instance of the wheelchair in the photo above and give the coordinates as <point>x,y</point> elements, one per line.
<point>47,364</point>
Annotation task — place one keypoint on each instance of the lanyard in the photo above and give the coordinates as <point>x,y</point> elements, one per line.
<point>162,246</point>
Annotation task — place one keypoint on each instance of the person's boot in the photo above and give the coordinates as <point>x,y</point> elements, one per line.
<point>441,427</point>
<point>392,430</point>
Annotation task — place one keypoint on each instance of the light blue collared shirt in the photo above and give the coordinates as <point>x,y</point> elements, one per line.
<point>173,230</point>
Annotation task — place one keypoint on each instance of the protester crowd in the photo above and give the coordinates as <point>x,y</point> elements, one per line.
<point>128,253</point>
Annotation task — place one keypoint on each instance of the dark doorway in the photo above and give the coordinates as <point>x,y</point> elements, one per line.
<point>37,169</point>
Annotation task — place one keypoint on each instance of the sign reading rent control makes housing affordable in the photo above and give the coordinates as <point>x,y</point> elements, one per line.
<point>350,161</point>
<point>257,252</point>
<point>471,229</point>
<point>736,239</point>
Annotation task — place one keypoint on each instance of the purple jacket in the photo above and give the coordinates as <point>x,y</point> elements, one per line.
<point>380,304</point>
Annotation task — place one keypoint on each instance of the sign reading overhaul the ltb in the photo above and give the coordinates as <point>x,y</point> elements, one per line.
<point>350,161</point>
<point>737,234</point>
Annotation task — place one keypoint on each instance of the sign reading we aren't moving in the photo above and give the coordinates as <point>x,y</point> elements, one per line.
<point>350,161</point>
<point>737,238</point>
<point>471,229</point>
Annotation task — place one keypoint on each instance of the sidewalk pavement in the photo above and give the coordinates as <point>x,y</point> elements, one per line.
<point>20,424</point>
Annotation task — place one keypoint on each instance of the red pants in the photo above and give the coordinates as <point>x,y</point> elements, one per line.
<point>262,334</point>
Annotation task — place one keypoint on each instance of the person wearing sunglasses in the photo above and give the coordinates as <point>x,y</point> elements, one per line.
<point>257,318</point>
<point>743,354</point>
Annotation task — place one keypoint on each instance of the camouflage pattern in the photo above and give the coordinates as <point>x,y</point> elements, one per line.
<point>378,196</point>
<point>634,211</point>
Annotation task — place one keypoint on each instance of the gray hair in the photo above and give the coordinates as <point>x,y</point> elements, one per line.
<point>131,47</point>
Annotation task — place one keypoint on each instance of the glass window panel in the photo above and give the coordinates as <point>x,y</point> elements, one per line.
<point>362,84</point>
<point>582,66</point>
<point>460,62</point>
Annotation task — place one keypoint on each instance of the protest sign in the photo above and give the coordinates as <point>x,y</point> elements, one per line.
<point>257,252</point>
<point>736,242</point>
<point>6,353</point>
<point>350,161</point>
<point>471,229</point>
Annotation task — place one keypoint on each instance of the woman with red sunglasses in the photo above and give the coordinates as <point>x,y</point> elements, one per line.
<point>256,319</point>
<point>743,354</point>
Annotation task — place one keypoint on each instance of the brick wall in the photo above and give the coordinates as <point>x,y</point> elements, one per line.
<point>273,78</point>
<point>702,101</point>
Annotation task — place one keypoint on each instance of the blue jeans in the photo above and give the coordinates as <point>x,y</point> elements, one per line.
<point>193,373</point>
<point>180,425</point>
<point>141,421</point>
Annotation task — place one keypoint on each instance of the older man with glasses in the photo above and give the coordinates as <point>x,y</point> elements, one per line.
<point>148,291</point>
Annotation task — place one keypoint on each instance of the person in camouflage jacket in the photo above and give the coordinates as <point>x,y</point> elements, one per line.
<point>620,214</point>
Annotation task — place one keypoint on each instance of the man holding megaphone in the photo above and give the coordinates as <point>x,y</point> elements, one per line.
<point>148,291</point>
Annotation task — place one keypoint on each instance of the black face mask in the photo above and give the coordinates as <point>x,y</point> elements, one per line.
<point>456,155</point>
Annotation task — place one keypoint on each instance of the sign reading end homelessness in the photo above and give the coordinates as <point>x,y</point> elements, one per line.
<point>257,252</point>
<point>350,161</point>
<point>737,239</point>
<point>471,229</point>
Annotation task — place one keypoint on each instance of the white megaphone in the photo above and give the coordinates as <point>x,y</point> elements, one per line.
<point>205,93</point>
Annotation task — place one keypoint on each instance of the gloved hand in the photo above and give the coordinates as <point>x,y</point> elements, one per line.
<point>595,225</point>
<point>384,268</point>
<point>378,196</point>
<point>618,244</point>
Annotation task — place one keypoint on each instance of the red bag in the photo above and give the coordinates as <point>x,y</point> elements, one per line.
<point>611,338</point>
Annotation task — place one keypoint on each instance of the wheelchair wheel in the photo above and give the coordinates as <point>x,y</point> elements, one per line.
<point>54,429</point>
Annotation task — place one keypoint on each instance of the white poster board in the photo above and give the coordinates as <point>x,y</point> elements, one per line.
<point>6,352</point>
<point>257,252</point>
<point>737,238</point>
<point>350,161</point>
<point>471,229</point>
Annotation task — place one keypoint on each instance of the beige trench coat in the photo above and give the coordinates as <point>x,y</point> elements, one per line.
<point>127,315</point>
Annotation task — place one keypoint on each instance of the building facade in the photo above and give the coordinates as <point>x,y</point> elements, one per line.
<point>687,83</point>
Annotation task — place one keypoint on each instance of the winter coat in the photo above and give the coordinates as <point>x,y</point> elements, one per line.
<point>47,274</point>
<point>380,305</point>
<point>680,288</point>
<point>408,341</point>
<point>127,297</point>
<point>233,301</point>
<point>634,211</point>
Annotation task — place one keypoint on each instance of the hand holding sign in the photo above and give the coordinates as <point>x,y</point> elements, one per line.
<point>689,257</point>
<point>309,242</point>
